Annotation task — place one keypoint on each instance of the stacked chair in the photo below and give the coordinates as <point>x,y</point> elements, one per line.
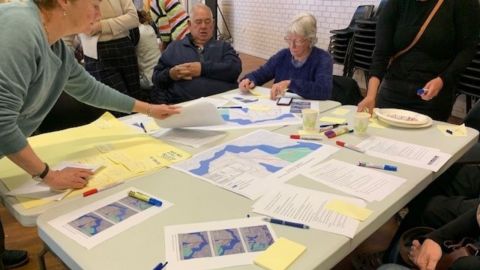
<point>469,81</point>
<point>341,38</point>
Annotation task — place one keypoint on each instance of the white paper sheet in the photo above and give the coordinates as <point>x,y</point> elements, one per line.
<point>191,137</point>
<point>252,164</point>
<point>101,220</point>
<point>406,153</point>
<point>307,206</point>
<point>216,244</point>
<point>38,190</point>
<point>89,45</point>
<point>193,114</point>
<point>368,184</point>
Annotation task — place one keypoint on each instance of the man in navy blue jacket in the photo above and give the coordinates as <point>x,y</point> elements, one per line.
<point>197,65</point>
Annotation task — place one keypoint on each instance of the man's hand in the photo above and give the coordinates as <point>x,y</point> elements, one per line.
<point>185,71</point>
<point>426,255</point>
<point>279,89</point>
<point>67,178</point>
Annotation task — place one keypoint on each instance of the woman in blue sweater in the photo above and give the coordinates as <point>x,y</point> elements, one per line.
<point>302,68</point>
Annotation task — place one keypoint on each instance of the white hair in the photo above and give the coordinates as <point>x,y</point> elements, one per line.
<point>304,24</point>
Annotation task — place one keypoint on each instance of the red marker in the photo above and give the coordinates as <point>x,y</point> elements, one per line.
<point>305,137</point>
<point>96,190</point>
<point>351,147</point>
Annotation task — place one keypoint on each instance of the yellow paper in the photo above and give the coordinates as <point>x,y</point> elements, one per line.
<point>260,107</point>
<point>334,120</point>
<point>122,151</point>
<point>456,131</point>
<point>340,111</point>
<point>348,209</point>
<point>258,94</point>
<point>374,123</point>
<point>280,254</point>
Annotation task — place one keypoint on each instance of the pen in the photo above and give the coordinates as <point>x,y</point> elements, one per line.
<point>306,137</point>
<point>385,167</point>
<point>140,125</point>
<point>351,147</point>
<point>449,131</point>
<point>160,266</point>
<point>333,125</point>
<point>337,132</point>
<point>143,197</point>
<point>230,107</point>
<point>287,223</point>
<point>96,190</point>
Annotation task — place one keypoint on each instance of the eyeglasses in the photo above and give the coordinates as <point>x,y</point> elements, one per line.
<point>296,42</point>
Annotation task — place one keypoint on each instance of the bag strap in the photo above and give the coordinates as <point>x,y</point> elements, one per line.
<point>420,32</point>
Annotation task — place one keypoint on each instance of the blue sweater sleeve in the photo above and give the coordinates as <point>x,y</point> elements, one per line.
<point>227,69</point>
<point>321,86</point>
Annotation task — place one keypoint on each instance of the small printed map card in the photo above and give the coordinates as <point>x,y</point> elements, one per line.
<point>105,218</point>
<point>216,244</point>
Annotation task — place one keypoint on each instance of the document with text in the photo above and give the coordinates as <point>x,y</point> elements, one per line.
<point>307,206</point>
<point>368,184</point>
<point>406,153</point>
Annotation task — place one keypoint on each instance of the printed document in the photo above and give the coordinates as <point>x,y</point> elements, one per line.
<point>306,206</point>
<point>406,153</point>
<point>366,183</point>
<point>216,244</point>
<point>198,113</point>
<point>102,219</point>
<point>252,164</point>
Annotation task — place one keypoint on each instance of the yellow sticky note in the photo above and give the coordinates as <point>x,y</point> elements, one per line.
<point>334,120</point>
<point>451,130</point>
<point>374,123</point>
<point>340,111</point>
<point>348,209</point>
<point>280,254</point>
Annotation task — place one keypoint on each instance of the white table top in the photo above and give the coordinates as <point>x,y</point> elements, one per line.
<point>142,247</point>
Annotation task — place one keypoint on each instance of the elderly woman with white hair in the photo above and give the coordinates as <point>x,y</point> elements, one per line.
<point>302,68</point>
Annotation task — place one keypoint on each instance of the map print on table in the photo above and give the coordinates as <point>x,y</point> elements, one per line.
<point>226,242</point>
<point>257,238</point>
<point>136,203</point>
<point>245,165</point>
<point>90,224</point>
<point>116,212</point>
<point>246,116</point>
<point>245,99</point>
<point>194,245</point>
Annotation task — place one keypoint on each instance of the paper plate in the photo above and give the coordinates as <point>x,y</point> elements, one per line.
<point>402,117</point>
<point>396,124</point>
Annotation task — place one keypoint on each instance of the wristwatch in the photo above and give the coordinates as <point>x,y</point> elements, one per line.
<point>42,175</point>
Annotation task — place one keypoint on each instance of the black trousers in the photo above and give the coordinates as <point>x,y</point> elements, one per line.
<point>403,95</point>
<point>117,67</point>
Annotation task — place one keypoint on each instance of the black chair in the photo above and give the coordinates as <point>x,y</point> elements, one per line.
<point>469,81</point>
<point>345,90</point>
<point>340,38</point>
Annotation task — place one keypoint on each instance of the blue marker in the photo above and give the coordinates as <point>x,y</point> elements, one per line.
<point>421,91</point>
<point>385,167</point>
<point>160,266</point>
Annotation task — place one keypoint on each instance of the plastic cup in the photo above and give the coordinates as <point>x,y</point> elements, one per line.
<point>360,122</point>
<point>310,117</point>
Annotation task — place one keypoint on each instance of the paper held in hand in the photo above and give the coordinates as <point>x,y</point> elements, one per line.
<point>193,114</point>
